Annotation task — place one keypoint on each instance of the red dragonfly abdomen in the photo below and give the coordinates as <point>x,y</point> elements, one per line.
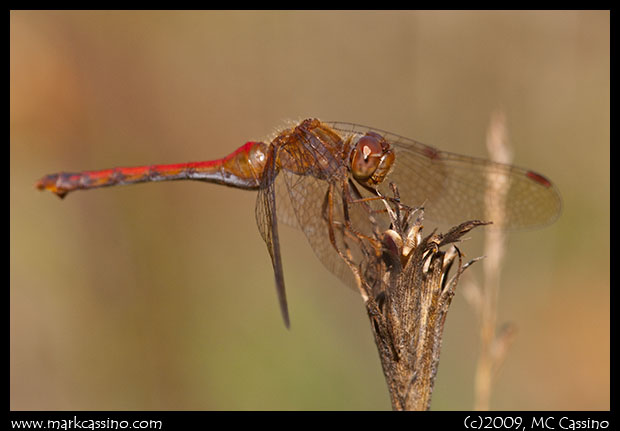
<point>242,169</point>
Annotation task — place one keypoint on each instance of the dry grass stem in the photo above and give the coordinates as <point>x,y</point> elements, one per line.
<point>493,346</point>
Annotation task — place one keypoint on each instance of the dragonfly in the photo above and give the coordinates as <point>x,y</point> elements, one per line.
<point>328,179</point>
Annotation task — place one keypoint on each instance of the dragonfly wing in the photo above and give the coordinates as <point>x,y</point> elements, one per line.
<point>454,188</point>
<point>306,197</point>
<point>268,226</point>
<point>285,209</point>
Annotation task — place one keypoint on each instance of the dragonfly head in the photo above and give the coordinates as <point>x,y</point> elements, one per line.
<point>371,159</point>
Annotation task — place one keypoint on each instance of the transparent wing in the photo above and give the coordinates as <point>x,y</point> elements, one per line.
<point>304,199</point>
<point>453,188</point>
<point>268,226</point>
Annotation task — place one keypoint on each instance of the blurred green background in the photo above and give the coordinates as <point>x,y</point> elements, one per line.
<point>161,296</point>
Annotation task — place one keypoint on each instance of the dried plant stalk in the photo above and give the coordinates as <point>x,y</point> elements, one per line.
<point>403,278</point>
<point>493,345</point>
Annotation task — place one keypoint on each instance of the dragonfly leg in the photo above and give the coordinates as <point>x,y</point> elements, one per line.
<point>348,199</point>
<point>372,246</point>
<point>328,216</point>
<point>358,199</point>
<point>354,247</point>
<point>346,254</point>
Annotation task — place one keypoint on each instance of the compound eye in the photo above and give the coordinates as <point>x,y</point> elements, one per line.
<point>366,157</point>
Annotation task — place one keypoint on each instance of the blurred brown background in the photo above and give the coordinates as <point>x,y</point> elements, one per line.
<point>161,296</point>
